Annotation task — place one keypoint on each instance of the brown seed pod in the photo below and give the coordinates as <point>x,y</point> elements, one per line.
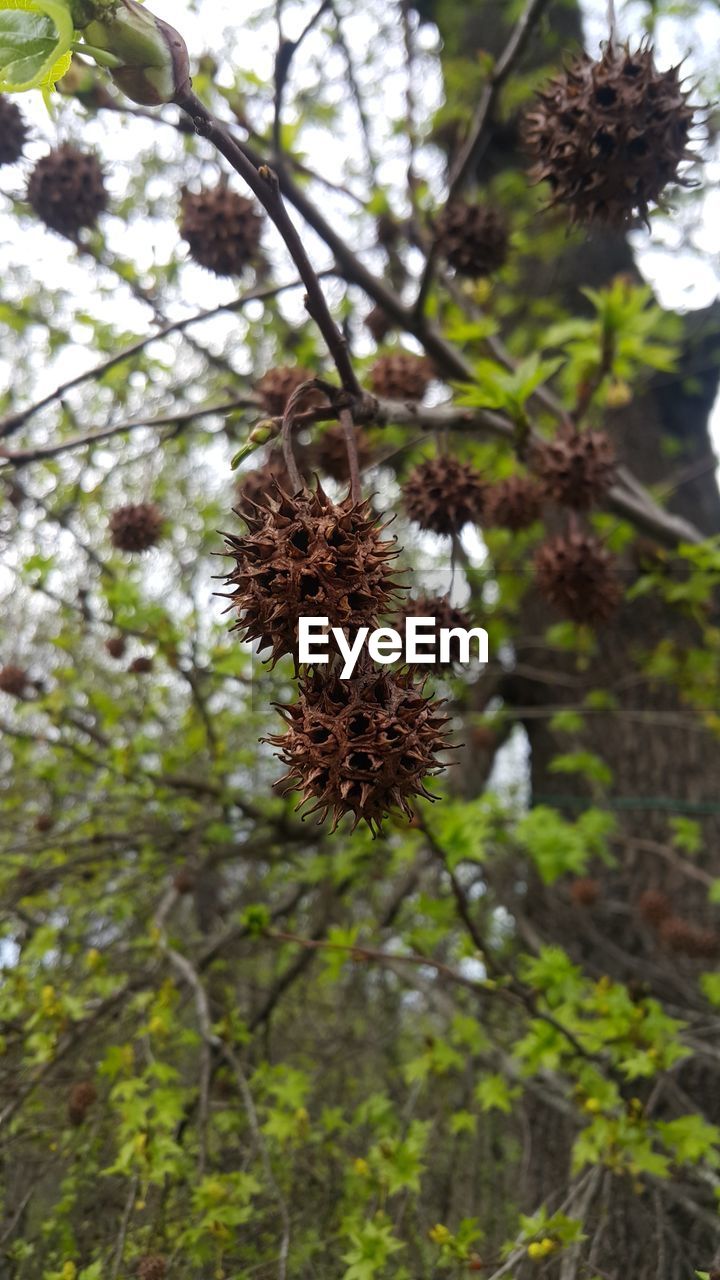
<point>67,190</point>
<point>473,238</point>
<point>13,680</point>
<point>82,1097</point>
<point>574,572</point>
<point>328,453</point>
<point>361,746</point>
<point>584,892</point>
<point>152,1267</point>
<point>306,555</point>
<point>277,385</point>
<point>687,939</point>
<point>576,468</point>
<point>136,527</point>
<point>654,906</point>
<point>445,615</point>
<point>141,666</point>
<point>13,131</point>
<point>444,494</point>
<point>222,229</point>
<point>378,323</point>
<point>44,822</point>
<point>609,135</point>
<point>514,503</point>
<point>116,646</point>
<point>184,880</point>
<point>401,376</point>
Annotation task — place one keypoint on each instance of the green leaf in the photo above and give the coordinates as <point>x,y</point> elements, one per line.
<point>35,37</point>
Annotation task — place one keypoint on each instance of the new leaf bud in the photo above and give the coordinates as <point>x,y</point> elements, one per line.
<point>154,62</point>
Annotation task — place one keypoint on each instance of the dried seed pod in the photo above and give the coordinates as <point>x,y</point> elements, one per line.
<point>13,680</point>
<point>609,135</point>
<point>473,238</point>
<point>277,385</point>
<point>362,746</point>
<point>13,131</point>
<point>328,453</point>
<point>446,615</point>
<point>654,906</point>
<point>514,503</point>
<point>67,190</point>
<point>574,572</point>
<point>378,323</point>
<point>44,822</point>
<point>576,468</point>
<point>444,494</point>
<point>82,1097</point>
<point>584,892</point>
<point>136,527</point>
<point>306,555</point>
<point>152,1267</point>
<point>141,666</point>
<point>401,376</point>
<point>682,936</point>
<point>222,229</point>
<point>116,646</point>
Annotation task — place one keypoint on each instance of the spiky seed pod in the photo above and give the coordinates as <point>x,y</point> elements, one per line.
<point>576,468</point>
<point>256,486</point>
<point>687,939</point>
<point>574,572</point>
<point>361,746</point>
<point>277,385</point>
<point>654,906</point>
<point>44,822</point>
<point>136,527</point>
<point>514,503</point>
<point>401,376</point>
<point>152,1267</point>
<point>445,615</point>
<point>444,494</point>
<point>67,190</point>
<point>13,131</point>
<point>116,646</point>
<point>609,135</point>
<point>82,1097</point>
<point>473,238</point>
<point>141,666</point>
<point>378,324</point>
<point>584,892</point>
<point>328,453</point>
<point>306,555</point>
<point>222,229</point>
<point>13,680</point>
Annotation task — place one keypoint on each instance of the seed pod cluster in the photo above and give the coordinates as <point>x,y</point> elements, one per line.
<point>136,527</point>
<point>14,680</point>
<point>514,503</point>
<point>328,453</point>
<point>151,1267</point>
<point>277,385</point>
<point>576,468</point>
<point>574,572</point>
<point>609,135</point>
<point>362,746</point>
<point>67,190</point>
<point>401,376</point>
<point>307,555</point>
<point>13,131</point>
<point>222,229</point>
<point>473,238</point>
<point>444,494</point>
